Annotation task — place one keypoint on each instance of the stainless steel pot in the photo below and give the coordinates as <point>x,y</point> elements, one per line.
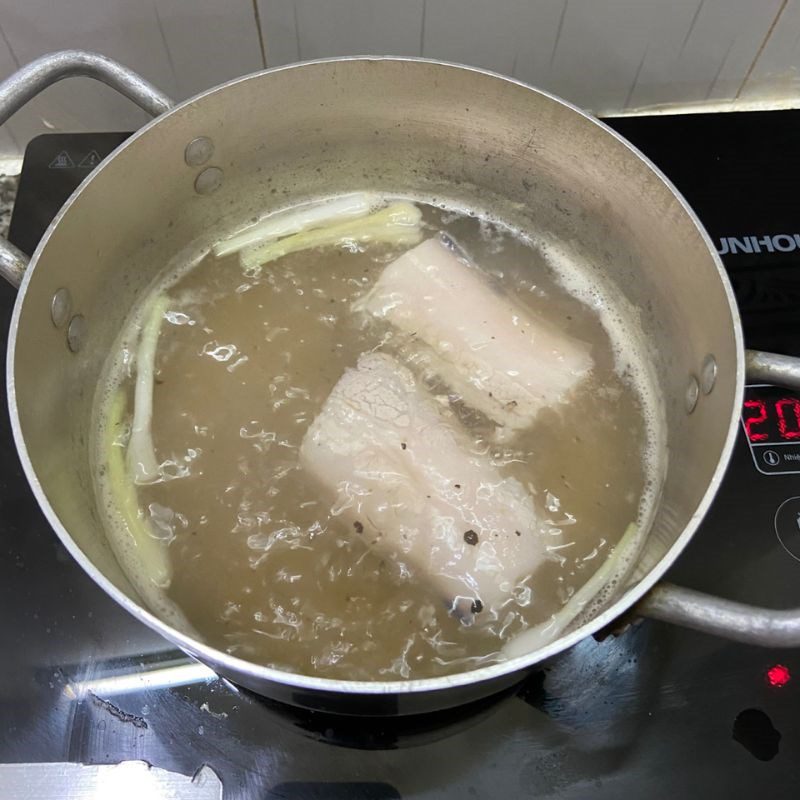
<point>397,125</point>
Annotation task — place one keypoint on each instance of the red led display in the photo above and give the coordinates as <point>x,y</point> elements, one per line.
<point>778,675</point>
<point>788,420</point>
<point>771,416</point>
<point>757,415</point>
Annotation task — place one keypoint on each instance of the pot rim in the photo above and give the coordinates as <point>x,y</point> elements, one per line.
<point>226,663</point>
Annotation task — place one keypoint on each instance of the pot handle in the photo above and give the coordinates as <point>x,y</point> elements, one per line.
<point>761,367</point>
<point>714,615</point>
<point>31,79</point>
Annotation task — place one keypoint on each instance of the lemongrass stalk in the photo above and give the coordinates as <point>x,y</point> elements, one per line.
<point>539,635</point>
<point>142,461</point>
<point>397,224</point>
<point>301,218</point>
<point>151,552</point>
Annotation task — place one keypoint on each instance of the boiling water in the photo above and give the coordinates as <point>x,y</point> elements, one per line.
<point>261,569</point>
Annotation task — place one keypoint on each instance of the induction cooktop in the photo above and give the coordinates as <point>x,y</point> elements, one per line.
<point>655,712</point>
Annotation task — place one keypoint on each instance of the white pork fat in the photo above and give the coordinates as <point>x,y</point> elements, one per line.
<point>495,354</point>
<point>405,478</point>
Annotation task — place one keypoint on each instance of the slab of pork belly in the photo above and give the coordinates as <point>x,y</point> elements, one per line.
<point>403,476</point>
<point>498,356</point>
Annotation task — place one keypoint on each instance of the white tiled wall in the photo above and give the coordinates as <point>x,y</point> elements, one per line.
<point>606,55</point>
<point>183,46</point>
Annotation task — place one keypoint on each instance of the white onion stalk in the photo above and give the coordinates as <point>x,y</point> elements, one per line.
<point>539,635</point>
<point>142,461</point>
<point>301,218</point>
<point>152,552</point>
<point>397,224</point>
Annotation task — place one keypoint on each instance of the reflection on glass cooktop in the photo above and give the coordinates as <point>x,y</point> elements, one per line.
<point>655,711</point>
